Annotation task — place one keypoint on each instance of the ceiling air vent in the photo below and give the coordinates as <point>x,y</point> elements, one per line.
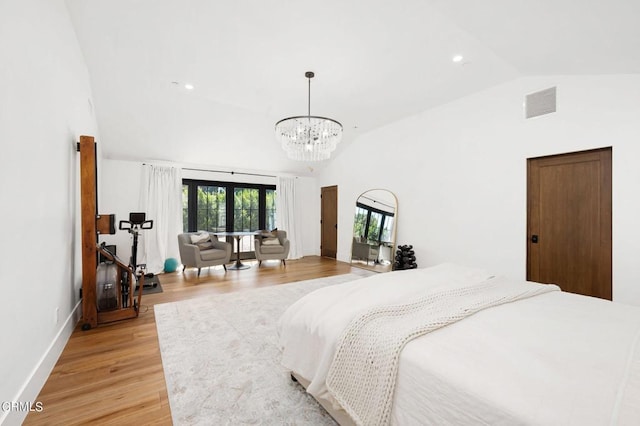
<point>540,103</point>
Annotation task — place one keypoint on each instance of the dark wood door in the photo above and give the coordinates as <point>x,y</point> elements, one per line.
<point>329,221</point>
<point>569,221</point>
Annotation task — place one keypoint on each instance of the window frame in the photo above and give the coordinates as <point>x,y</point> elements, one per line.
<point>192,202</point>
<point>385,215</point>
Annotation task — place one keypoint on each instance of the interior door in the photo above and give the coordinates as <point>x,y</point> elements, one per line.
<point>329,221</point>
<point>569,221</point>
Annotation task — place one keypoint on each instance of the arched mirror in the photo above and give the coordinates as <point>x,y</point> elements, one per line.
<point>374,230</point>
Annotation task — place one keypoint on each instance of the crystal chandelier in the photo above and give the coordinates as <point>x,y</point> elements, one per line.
<point>308,137</point>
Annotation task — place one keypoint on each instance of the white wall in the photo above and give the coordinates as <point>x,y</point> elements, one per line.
<point>120,194</point>
<point>459,172</point>
<point>309,193</point>
<point>45,105</point>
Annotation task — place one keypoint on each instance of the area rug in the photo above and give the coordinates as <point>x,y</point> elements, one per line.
<point>221,360</point>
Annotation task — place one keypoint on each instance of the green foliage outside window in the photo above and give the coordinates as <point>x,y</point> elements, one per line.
<point>360,222</point>
<point>270,209</point>
<point>211,208</point>
<point>375,221</point>
<point>372,225</point>
<point>206,207</point>
<point>386,231</point>
<point>245,206</point>
<point>185,208</point>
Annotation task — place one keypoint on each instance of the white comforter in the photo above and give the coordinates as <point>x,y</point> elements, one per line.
<point>554,359</point>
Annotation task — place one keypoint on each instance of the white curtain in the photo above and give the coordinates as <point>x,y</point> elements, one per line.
<point>288,214</point>
<point>161,200</point>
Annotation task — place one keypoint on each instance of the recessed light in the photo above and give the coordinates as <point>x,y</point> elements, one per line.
<point>188,86</point>
<point>457,58</point>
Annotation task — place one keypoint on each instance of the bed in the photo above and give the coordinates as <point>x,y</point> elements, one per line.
<point>550,358</point>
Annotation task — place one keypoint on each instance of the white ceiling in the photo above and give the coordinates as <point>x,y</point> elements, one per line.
<point>375,61</point>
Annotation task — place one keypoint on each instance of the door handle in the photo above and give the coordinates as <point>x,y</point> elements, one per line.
<point>534,239</point>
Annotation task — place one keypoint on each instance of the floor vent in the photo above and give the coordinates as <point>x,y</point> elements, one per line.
<point>540,103</point>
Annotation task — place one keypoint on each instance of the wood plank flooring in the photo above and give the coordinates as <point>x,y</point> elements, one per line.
<point>113,374</point>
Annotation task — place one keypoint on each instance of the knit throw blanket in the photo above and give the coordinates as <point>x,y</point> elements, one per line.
<point>362,376</point>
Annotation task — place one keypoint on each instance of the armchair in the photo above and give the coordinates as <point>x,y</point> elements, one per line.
<point>275,247</point>
<point>363,250</point>
<point>198,251</point>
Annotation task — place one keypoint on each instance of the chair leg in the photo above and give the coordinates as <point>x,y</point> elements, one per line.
<point>259,263</point>
<point>225,267</point>
<point>199,271</point>
<point>284,263</point>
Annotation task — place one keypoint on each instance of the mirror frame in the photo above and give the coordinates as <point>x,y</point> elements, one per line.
<point>394,230</point>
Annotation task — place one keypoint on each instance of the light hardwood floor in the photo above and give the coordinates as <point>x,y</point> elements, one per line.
<point>113,374</point>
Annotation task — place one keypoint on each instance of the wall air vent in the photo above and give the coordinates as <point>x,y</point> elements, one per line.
<point>540,103</point>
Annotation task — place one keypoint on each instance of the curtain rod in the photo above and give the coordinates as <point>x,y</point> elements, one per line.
<point>379,202</point>
<point>222,171</point>
<point>231,173</point>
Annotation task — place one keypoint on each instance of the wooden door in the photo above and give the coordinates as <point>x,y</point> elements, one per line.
<point>569,221</point>
<point>329,221</point>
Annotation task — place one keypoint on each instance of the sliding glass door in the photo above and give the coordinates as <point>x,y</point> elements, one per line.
<point>246,211</point>
<point>212,208</point>
<point>372,224</point>
<point>246,215</point>
<point>270,209</point>
<point>228,206</point>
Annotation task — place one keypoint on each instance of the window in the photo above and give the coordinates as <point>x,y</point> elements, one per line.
<point>387,229</point>
<point>360,222</point>
<point>372,224</point>
<point>228,206</point>
<point>375,221</point>
<point>245,209</point>
<point>185,207</point>
<point>211,208</point>
<point>270,209</point>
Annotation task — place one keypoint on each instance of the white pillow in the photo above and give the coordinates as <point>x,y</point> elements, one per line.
<point>270,242</point>
<point>200,237</point>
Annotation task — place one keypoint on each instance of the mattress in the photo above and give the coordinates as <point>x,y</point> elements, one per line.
<point>557,358</point>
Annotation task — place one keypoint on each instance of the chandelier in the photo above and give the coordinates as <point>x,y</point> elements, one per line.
<point>308,137</point>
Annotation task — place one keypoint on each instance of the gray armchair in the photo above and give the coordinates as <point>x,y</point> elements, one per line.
<point>275,247</point>
<point>203,255</point>
<point>363,250</point>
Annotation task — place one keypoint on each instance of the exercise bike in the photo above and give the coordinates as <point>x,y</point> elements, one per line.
<point>137,222</point>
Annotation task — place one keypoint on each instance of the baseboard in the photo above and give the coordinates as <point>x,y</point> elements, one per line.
<point>38,377</point>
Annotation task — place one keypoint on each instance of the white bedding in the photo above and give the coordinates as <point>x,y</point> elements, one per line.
<point>554,359</point>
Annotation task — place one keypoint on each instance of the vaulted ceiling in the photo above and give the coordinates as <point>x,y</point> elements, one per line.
<point>375,62</point>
